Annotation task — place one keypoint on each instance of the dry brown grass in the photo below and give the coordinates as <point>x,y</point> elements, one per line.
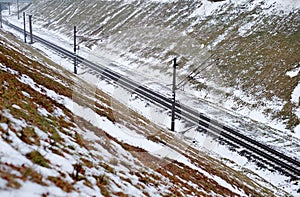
<point>64,185</point>
<point>29,136</point>
<point>27,173</point>
<point>30,174</point>
<point>11,180</point>
<point>102,181</point>
<point>87,162</point>
<point>52,125</point>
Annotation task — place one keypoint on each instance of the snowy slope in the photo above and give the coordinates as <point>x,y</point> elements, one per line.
<point>234,54</point>
<point>238,60</point>
<point>232,47</point>
<point>60,137</point>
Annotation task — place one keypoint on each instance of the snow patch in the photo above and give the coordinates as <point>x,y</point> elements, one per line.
<point>26,94</point>
<point>293,73</point>
<point>295,95</point>
<point>297,130</point>
<point>16,106</point>
<point>6,69</point>
<point>11,155</point>
<point>17,124</point>
<point>43,112</point>
<point>208,8</point>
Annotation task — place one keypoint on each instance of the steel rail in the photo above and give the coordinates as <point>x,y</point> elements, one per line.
<point>263,151</point>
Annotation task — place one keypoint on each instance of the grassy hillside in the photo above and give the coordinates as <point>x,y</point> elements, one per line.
<point>50,149</point>
<point>234,54</point>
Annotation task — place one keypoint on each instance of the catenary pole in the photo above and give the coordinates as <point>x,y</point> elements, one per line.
<point>173,96</point>
<point>75,56</point>
<point>24,21</point>
<point>18,8</point>
<point>30,29</point>
<point>0,15</point>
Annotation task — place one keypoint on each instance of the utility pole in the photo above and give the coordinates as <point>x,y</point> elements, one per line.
<point>18,9</point>
<point>173,96</point>
<point>75,56</point>
<point>9,8</point>
<point>0,15</point>
<point>24,21</point>
<point>30,29</point>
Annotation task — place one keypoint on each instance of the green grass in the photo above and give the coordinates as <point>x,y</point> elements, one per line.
<point>38,159</point>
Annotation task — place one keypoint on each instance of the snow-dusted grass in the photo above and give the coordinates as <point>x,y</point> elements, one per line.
<point>57,142</point>
<point>133,51</point>
<point>246,39</point>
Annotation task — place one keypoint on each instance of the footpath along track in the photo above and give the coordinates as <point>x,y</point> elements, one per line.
<point>267,154</point>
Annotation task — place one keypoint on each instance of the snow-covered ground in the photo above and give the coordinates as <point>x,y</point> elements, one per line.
<point>280,139</point>
<point>113,152</point>
<point>209,8</point>
<point>130,47</point>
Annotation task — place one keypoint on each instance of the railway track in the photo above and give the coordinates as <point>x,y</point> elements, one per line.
<point>267,154</point>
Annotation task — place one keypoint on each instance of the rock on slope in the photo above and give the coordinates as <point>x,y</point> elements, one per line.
<point>51,146</point>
